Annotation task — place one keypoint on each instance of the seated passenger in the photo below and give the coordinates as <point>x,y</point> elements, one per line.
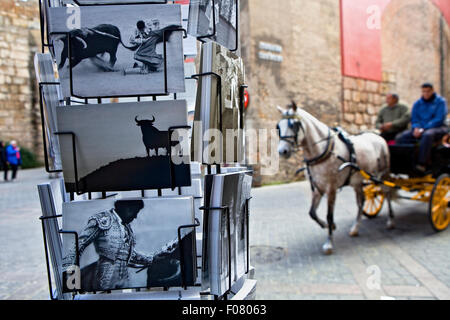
<point>393,118</point>
<point>428,124</point>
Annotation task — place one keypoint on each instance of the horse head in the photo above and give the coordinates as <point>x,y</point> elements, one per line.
<point>290,131</point>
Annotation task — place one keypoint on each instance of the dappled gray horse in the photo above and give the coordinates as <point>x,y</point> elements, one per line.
<point>324,155</point>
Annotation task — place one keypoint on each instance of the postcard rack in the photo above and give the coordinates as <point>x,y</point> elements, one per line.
<point>80,189</point>
<point>214,31</point>
<point>77,252</point>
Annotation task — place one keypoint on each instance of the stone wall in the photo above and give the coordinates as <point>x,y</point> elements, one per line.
<point>19,40</point>
<point>412,47</point>
<point>412,53</point>
<point>363,99</point>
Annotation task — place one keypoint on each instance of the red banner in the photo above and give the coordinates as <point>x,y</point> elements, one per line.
<point>361,38</point>
<point>444,6</point>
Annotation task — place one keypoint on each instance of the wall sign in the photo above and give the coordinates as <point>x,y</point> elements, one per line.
<point>270,52</point>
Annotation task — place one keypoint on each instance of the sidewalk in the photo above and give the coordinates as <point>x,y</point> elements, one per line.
<point>22,263</point>
<point>410,262</point>
<point>413,262</point>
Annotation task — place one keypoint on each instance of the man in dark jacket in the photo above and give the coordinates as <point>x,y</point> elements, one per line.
<point>428,124</point>
<point>394,118</point>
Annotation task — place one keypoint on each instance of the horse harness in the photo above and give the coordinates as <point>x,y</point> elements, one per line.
<point>296,126</point>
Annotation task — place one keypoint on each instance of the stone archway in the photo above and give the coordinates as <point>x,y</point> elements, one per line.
<point>412,47</point>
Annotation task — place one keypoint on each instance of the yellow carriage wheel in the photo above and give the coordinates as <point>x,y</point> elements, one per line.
<point>374,200</point>
<point>439,210</point>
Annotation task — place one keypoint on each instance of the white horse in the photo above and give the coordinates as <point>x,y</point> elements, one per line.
<point>324,154</point>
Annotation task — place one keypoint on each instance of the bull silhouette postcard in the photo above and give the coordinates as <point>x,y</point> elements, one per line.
<point>125,146</point>
<point>129,243</point>
<point>216,24</point>
<point>118,51</point>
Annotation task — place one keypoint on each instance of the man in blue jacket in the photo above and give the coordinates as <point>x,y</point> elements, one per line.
<point>13,158</point>
<point>428,124</point>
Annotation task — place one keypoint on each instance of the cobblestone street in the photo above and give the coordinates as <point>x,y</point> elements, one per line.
<point>413,261</point>
<point>22,262</point>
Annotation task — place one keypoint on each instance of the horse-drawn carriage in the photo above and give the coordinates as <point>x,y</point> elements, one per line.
<point>333,160</point>
<point>432,188</point>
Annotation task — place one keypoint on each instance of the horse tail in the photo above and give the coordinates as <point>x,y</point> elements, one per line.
<point>385,161</point>
<point>386,171</point>
<point>387,158</point>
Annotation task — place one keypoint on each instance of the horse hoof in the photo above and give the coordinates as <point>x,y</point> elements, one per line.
<point>327,249</point>
<point>354,232</point>
<point>390,225</point>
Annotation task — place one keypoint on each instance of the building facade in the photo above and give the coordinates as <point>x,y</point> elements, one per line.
<point>294,49</point>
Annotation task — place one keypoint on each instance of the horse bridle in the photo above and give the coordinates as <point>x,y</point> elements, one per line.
<point>296,126</point>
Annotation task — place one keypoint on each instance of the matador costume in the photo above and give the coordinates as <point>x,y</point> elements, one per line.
<point>146,47</point>
<point>115,243</point>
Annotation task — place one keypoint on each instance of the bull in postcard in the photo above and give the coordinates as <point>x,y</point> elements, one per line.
<point>90,43</point>
<point>153,138</point>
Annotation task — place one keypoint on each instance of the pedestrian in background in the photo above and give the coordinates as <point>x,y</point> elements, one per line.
<point>3,163</point>
<point>13,158</point>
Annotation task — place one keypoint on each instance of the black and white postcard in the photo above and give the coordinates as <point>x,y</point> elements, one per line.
<point>125,146</point>
<point>231,190</point>
<point>118,51</point>
<point>213,105</point>
<point>222,232</point>
<point>241,224</point>
<point>131,243</point>
<point>51,100</point>
<point>205,234</point>
<point>214,20</point>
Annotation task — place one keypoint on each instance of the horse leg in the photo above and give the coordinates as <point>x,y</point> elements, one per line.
<point>328,246</point>
<point>391,219</point>
<point>317,197</point>
<point>354,232</point>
